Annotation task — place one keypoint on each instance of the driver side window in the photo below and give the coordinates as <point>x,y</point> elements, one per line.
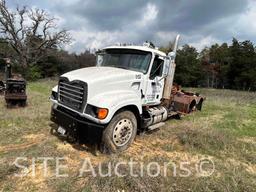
<point>157,68</point>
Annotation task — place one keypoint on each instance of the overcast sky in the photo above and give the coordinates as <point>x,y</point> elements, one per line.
<point>98,23</point>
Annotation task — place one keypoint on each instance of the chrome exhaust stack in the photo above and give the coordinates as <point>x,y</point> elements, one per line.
<point>172,65</point>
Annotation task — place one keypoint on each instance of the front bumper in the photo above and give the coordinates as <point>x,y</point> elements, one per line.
<point>76,125</point>
<point>15,96</point>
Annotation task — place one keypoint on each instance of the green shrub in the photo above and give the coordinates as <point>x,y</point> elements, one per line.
<point>33,73</point>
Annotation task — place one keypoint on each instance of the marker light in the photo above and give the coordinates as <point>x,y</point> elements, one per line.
<point>102,113</point>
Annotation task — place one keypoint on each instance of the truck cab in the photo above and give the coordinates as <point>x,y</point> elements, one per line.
<point>147,65</point>
<point>124,93</point>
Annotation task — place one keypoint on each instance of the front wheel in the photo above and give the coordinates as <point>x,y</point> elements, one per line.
<point>120,132</point>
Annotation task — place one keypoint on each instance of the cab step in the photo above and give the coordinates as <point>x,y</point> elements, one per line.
<point>156,126</point>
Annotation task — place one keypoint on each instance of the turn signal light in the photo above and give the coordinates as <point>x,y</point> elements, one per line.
<point>102,113</point>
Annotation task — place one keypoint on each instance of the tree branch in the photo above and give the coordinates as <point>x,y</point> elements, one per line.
<point>30,42</point>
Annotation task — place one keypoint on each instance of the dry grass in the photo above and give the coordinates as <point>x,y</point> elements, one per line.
<point>225,132</point>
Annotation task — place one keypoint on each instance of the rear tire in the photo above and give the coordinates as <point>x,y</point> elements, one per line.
<point>120,133</point>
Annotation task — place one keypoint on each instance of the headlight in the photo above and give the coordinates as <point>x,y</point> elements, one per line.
<point>100,113</point>
<point>54,95</point>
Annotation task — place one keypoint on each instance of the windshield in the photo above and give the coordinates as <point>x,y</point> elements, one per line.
<point>130,59</point>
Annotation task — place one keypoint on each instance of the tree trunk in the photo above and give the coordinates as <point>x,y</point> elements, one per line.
<point>212,83</point>
<point>23,62</point>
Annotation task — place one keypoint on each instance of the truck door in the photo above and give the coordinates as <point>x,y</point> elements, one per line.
<point>155,83</point>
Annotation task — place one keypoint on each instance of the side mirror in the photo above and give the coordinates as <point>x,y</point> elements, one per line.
<point>166,67</point>
<point>172,55</point>
<point>99,60</point>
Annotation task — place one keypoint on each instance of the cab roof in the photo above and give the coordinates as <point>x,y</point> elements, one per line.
<point>137,47</point>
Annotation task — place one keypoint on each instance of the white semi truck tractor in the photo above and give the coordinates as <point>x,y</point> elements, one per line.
<point>130,90</point>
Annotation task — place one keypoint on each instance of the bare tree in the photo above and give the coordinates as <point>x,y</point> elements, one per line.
<point>30,32</point>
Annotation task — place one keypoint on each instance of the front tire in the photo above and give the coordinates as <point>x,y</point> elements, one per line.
<point>120,133</point>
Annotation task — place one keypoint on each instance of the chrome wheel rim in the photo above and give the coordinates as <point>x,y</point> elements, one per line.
<point>122,132</point>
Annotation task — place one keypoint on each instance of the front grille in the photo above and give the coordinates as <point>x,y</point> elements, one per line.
<point>73,94</point>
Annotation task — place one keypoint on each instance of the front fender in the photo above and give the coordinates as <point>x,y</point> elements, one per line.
<point>55,88</point>
<point>116,100</point>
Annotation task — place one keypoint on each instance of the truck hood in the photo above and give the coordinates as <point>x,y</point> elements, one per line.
<point>103,80</point>
<point>98,74</point>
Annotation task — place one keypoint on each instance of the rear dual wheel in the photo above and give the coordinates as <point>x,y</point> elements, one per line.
<point>120,133</point>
